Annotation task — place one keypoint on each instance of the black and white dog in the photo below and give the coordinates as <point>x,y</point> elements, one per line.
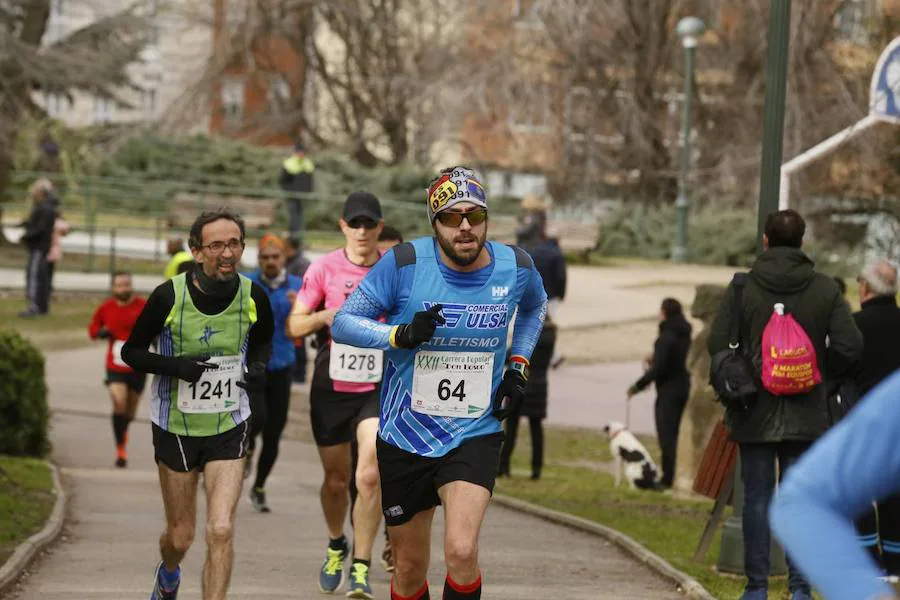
<point>631,457</point>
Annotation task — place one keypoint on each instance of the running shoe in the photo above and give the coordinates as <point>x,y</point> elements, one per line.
<point>359,582</point>
<point>158,593</point>
<point>121,462</point>
<point>387,557</point>
<point>331,577</point>
<point>258,500</point>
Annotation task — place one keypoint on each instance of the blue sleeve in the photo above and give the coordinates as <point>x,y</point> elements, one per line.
<point>837,480</point>
<point>531,313</point>
<point>381,282</point>
<point>356,323</point>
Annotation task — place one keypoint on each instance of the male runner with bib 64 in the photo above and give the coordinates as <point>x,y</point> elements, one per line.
<point>447,384</point>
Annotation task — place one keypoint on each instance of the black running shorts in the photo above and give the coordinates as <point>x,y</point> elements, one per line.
<point>409,482</point>
<point>187,453</point>
<point>134,380</point>
<point>335,415</point>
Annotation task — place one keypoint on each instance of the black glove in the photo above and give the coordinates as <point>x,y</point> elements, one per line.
<point>103,334</point>
<point>421,329</point>
<point>512,389</point>
<point>191,368</point>
<point>254,379</point>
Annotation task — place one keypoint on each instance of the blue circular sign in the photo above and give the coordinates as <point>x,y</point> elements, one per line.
<point>884,97</point>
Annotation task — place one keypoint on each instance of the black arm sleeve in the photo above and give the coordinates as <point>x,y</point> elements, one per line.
<point>660,362</point>
<point>150,322</point>
<point>259,342</point>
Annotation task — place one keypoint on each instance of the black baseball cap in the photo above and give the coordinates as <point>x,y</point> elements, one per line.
<point>362,204</point>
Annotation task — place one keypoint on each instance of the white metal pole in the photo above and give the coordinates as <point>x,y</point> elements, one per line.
<point>816,152</point>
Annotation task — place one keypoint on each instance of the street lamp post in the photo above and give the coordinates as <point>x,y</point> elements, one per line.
<point>689,29</point>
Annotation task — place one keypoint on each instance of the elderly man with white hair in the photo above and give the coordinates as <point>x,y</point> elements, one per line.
<point>879,322</point>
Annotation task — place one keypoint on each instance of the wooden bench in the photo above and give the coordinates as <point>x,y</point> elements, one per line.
<point>574,235</point>
<point>258,213</point>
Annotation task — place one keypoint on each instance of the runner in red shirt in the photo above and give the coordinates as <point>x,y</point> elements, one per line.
<point>113,321</point>
<point>344,396</point>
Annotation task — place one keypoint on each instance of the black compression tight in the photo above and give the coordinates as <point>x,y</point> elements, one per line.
<point>278,399</point>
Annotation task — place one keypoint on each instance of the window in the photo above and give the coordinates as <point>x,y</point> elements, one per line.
<point>102,109</point>
<point>529,107</point>
<point>148,102</point>
<point>279,91</point>
<point>235,14</point>
<point>579,111</point>
<point>233,99</point>
<point>53,104</point>
<point>853,18</point>
<point>527,10</point>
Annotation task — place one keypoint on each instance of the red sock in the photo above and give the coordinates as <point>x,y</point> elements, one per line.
<point>422,594</point>
<point>456,591</point>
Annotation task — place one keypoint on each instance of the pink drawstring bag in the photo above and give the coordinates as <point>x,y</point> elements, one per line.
<point>789,363</point>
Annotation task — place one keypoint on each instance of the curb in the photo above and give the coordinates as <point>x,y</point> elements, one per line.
<point>27,550</point>
<point>687,584</point>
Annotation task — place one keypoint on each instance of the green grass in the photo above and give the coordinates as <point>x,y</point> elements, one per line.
<point>65,326</point>
<point>576,480</point>
<point>26,500</point>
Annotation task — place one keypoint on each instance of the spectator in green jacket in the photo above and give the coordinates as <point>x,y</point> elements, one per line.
<point>296,180</point>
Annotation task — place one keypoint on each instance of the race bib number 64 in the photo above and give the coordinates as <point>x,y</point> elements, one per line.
<point>452,384</point>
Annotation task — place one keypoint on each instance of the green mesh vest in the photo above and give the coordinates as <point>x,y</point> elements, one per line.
<point>189,332</point>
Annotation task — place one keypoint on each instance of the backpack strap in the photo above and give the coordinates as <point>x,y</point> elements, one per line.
<point>523,259</point>
<point>738,282</point>
<point>404,254</point>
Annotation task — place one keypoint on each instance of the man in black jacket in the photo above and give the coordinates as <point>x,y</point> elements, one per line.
<point>879,322</point>
<point>37,237</point>
<point>551,264</point>
<point>781,427</point>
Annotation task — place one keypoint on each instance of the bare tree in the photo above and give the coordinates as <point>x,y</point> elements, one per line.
<point>92,59</point>
<point>615,69</point>
<point>370,72</point>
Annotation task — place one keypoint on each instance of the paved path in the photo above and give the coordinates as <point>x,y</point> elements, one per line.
<point>116,518</point>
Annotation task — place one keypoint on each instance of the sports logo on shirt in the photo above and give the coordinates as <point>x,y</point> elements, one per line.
<point>208,332</point>
<point>474,316</point>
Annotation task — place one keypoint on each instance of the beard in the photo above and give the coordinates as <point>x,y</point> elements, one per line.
<point>123,296</point>
<point>219,276</point>
<point>462,258</point>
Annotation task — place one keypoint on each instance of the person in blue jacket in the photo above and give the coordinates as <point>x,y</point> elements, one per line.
<point>834,483</point>
<point>270,417</point>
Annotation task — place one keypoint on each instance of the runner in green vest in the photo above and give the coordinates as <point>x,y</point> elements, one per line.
<point>213,331</point>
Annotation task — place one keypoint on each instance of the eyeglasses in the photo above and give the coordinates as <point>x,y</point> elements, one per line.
<point>454,219</point>
<point>219,247</point>
<point>364,222</point>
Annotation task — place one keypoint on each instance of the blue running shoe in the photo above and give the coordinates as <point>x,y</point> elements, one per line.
<point>158,593</point>
<point>359,582</point>
<point>755,594</point>
<point>332,575</point>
